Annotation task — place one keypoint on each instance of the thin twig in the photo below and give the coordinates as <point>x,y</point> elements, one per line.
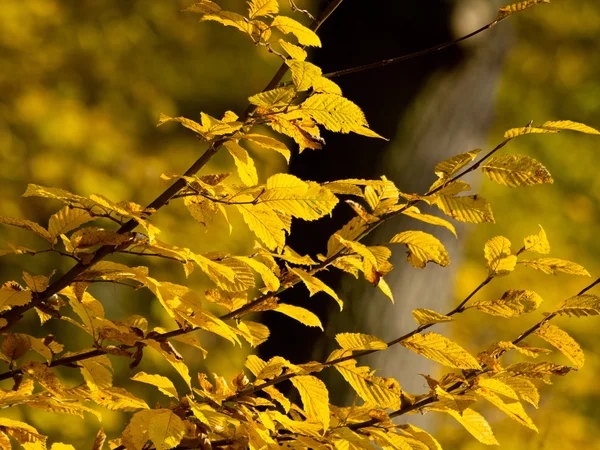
<point>388,61</point>
<point>14,314</point>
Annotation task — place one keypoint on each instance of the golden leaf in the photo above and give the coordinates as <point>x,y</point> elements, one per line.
<point>474,423</point>
<point>538,371</point>
<point>513,409</point>
<point>258,8</point>
<point>569,125</point>
<point>351,231</point>
<point>243,162</point>
<point>512,304</point>
<point>415,213</point>
<point>271,281</point>
<point>447,168</point>
<point>383,392</point>
<point>255,333</point>
<point>551,266</point>
<point>537,243</point>
<point>10,297</point>
<point>335,113</point>
<point>302,315</point>
<point>516,132</point>
<point>304,35</point>
<point>291,196</point>
<point>441,349</point>
<point>315,398</point>
<point>44,376</point>
<point>163,384</point>
<point>470,208</point>
<point>498,386</point>
<point>295,52</point>
<point>516,170</point>
<point>525,389</point>
<point>278,97</point>
<point>358,341</point>
<point>563,342</point>
<point>96,375</point>
<point>421,435</point>
<point>315,285</point>
<point>27,225</point>
<point>506,11</point>
<point>580,306</point>
<point>422,248</point>
<point>426,316</point>
<point>265,224</point>
<point>498,256</point>
<point>269,143</point>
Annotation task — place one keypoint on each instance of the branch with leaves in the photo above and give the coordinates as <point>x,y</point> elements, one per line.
<point>255,414</point>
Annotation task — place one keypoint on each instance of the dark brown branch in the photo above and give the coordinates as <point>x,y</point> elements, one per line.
<point>15,313</point>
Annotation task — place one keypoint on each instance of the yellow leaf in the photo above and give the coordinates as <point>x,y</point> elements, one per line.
<point>442,350</point>
<point>358,341</point>
<point>291,256</point>
<point>569,125</point>
<point>37,283</point>
<point>294,197</point>
<point>513,303</point>
<point>99,441</point>
<point>422,248</point>
<point>456,402</point>
<point>335,113</point>
<point>388,440</point>
<point>304,35</point>
<point>118,399</point>
<point>475,424</point>
<point>15,345</point>
<point>538,371</point>
<point>513,409</point>
<point>265,224</point>
<point>516,132</point>
<point>254,364</point>
<point>498,386</point>
<point>551,266</point>
<point>421,435</point>
<point>304,74</point>
<point>525,389</point>
<point>351,231</point>
<point>27,225</point>
<point>96,375</point>
<point>563,342</point>
<point>269,143</point>
<point>383,392</point>
<point>516,7</point>
<point>315,285</point>
<point>516,170</point>
<point>470,208</point>
<point>537,243</point>
<point>258,8</point>
<point>44,376</point>
<point>415,213</point>
<point>580,306</point>
<point>427,316</point>
<point>165,429</point>
<point>243,162</point>
<point>278,97</point>
<point>26,433</point>
<point>302,315</point>
<point>271,281</point>
<point>295,52</point>
<point>498,256</point>
<point>163,384</point>
<point>174,359</point>
<point>255,333</point>
<point>446,169</point>
<point>61,446</point>
<point>67,219</point>
<point>315,398</point>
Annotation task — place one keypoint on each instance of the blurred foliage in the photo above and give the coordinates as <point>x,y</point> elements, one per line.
<point>552,71</point>
<point>81,89</point>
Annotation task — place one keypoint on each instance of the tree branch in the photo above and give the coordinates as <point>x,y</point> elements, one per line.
<point>15,313</point>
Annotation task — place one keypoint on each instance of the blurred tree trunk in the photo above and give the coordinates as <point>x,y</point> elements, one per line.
<point>431,108</point>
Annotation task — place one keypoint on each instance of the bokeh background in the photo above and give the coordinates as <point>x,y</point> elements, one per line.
<point>82,84</point>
